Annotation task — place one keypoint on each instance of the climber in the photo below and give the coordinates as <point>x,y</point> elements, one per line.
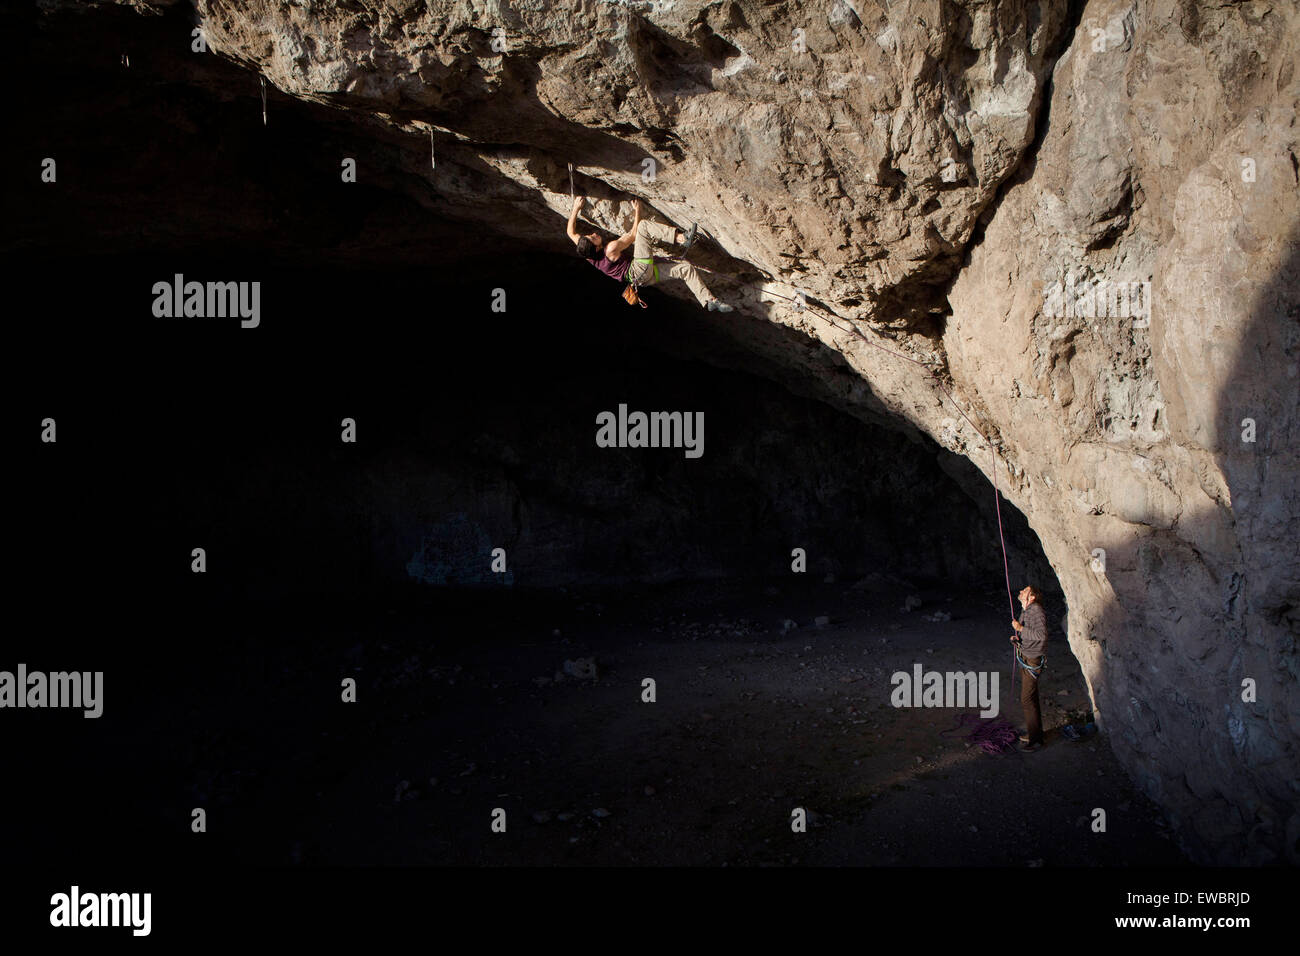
<point>1030,640</point>
<point>642,268</point>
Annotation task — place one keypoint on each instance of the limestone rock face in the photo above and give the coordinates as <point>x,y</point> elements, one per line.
<point>1164,435</point>
<point>1086,230</point>
<point>847,151</point>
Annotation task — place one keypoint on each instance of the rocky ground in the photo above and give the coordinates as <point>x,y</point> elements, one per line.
<point>752,719</point>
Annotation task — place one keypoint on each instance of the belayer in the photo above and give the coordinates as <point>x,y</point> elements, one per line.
<point>1030,642</point>
<point>642,267</point>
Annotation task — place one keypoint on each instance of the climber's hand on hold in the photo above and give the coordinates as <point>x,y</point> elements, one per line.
<point>572,227</point>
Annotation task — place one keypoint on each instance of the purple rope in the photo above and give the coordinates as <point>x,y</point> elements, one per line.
<point>994,735</point>
<point>997,504</point>
<point>993,457</point>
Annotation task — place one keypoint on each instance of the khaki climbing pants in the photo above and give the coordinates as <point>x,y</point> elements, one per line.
<point>1029,701</point>
<point>651,236</point>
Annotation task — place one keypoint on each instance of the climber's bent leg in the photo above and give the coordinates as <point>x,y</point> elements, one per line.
<point>652,235</point>
<point>691,276</point>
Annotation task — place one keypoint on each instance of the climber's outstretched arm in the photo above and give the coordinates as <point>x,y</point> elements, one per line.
<point>616,247</point>
<point>573,220</point>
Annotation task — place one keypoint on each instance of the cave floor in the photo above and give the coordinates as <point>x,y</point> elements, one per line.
<point>749,723</point>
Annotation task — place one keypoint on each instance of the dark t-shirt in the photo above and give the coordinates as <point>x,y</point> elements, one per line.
<point>615,270</point>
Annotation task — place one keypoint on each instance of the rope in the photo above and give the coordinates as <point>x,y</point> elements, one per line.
<point>992,454</point>
<point>995,736</point>
<point>1015,654</point>
<point>801,305</point>
<point>263,79</point>
<point>572,194</point>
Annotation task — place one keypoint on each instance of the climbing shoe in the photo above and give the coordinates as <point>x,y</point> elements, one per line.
<point>689,239</point>
<point>716,306</point>
<point>1030,748</point>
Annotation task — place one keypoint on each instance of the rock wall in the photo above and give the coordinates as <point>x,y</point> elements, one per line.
<point>951,181</point>
<point>1165,439</point>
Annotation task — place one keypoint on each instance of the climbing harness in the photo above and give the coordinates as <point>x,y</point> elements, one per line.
<point>630,295</point>
<point>653,263</point>
<point>1031,671</point>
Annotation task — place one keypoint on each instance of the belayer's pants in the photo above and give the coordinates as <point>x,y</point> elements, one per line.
<point>651,236</point>
<point>1029,701</point>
